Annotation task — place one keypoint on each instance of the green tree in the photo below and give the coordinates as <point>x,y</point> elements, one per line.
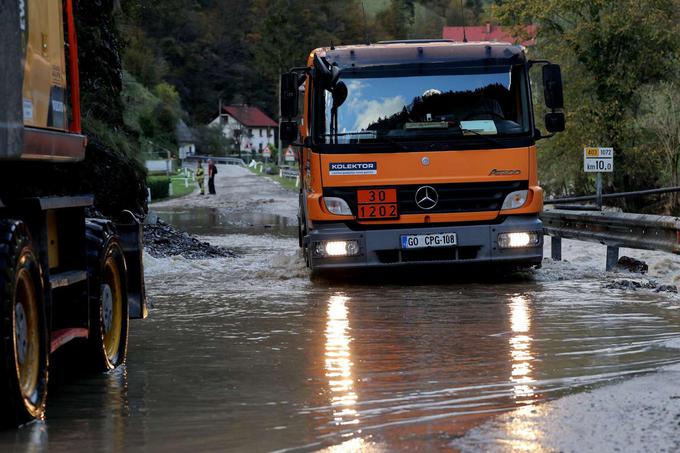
<point>398,19</point>
<point>608,50</point>
<point>660,118</point>
<point>211,142</point>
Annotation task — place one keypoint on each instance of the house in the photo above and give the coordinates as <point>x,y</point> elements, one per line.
<point>248,126</point>
<point>488,33</point>
<point>185,140</point>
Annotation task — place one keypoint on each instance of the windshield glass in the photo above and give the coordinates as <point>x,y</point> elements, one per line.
<point>471,102</point>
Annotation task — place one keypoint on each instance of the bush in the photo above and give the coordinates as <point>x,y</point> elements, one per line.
<point>159,186</point>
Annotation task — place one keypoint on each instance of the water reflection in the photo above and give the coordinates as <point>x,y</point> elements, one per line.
<point>520,349</point>
<point>338,362</point>
<point>214,221</point>
<point>522,432</point>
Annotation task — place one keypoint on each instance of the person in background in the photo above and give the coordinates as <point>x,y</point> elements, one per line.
<point>200,177</point>
<point>212,171</point>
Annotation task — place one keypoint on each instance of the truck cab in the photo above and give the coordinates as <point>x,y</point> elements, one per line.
<point>418,152</point>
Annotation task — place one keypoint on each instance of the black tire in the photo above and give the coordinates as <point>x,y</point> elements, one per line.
<point>109,316</point>
<point>24,342</point>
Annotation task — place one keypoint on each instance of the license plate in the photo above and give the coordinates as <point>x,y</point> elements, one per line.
<point>418,241</point>
<point>376,204</point>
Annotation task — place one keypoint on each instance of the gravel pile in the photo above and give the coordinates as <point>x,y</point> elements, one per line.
<point>162,240</point>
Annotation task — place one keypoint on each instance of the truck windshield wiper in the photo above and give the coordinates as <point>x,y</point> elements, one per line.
<point>393,142</point>
<point>370,135</point>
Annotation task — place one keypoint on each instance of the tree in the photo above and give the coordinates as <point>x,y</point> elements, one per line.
<point>211,142</point>
<point>661,119</point>
<point>397,19</point>
<point>608,49</point>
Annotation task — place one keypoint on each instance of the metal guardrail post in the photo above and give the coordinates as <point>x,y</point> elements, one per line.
<point>612,257</point>
<point>556,248</point>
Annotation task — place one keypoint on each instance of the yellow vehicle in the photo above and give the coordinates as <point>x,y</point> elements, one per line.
<point>64,279</point>
<point>418,152</point>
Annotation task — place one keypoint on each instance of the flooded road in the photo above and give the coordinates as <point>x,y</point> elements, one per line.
<point>248,354</point>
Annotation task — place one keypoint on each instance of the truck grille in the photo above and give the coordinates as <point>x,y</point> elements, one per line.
<point>429,254</point>
<point>469,197</point>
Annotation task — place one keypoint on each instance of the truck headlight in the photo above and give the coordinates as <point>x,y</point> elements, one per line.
<point>336,248</point>
<point>337,206</point>
<point>515,199</point>
<point>518,240</point>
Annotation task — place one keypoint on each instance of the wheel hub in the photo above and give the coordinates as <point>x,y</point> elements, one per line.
<point>107,307</point>
<point>21,330</point>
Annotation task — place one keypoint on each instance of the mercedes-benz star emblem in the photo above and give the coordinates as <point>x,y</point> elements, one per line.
<point>426,197</point>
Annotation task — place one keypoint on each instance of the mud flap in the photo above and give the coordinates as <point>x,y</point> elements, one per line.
<point>131,238</point>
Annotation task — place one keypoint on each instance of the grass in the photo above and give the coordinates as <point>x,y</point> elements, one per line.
<point>178,189</point>
<point>286,183</point>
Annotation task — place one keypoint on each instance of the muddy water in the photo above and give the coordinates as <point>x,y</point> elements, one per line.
<point>248,354</point>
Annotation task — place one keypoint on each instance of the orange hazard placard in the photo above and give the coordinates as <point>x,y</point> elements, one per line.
<point>374,204</point>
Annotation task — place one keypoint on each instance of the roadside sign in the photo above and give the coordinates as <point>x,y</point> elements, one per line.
<point>266,152</point>
<point>597,160</point>
<point>290,155</point>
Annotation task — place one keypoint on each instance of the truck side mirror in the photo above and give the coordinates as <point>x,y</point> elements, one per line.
<point>289,95</point>
<point>288,131</point>
<point>339,94</point>
<point>554,122</point>
<point>552,86</point>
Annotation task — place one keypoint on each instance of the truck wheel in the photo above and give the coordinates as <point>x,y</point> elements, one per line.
<point>108,296</point>
<point>24,341</point>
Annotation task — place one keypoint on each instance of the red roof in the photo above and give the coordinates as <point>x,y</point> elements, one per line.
<point>249,116</point>
<point>488,32</point>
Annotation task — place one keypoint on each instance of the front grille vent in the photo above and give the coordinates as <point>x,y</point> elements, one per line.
<point>453,198</point>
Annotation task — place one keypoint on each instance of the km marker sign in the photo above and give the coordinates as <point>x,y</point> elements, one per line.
<point>596,160</point>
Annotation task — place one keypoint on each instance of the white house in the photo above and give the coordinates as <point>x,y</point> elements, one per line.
<point>248,126</point>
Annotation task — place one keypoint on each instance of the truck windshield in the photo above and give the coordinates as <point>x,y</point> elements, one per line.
<point>384,107</point>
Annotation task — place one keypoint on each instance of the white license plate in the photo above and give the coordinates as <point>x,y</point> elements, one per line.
<point>417,241</point>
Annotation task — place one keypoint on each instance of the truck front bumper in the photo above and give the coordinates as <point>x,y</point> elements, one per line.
<point>382,247</point>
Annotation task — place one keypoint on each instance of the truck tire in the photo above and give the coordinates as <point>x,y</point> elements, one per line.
<point>24,343</point>
<point>109,317</point>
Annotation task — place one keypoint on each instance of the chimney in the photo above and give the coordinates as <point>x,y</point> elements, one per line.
<point>488,28</point>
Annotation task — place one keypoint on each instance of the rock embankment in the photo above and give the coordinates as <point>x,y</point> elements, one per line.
<point>163,240</point>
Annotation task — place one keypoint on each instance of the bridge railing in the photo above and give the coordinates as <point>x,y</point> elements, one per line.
<point>217,159</point>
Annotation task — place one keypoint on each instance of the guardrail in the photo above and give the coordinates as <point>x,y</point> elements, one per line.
<point>613,229</point>
<point>607,196</point>
<point>218,159</point>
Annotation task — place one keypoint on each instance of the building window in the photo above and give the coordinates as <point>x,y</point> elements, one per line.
<point>260,146</point>
<point>260,132</point>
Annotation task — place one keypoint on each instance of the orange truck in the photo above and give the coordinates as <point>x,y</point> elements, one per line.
<point>65,280</point>
<point>418,152</point>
